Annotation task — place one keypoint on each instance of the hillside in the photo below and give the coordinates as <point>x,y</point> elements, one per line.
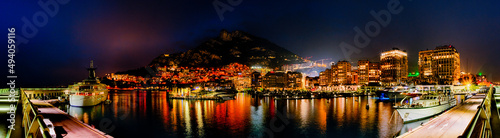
<point>229,47</point>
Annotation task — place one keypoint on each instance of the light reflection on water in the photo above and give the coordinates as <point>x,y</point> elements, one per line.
<point>135,113</point>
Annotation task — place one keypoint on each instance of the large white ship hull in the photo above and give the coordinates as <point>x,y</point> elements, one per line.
<point>415,114</point>
<point>91,100</point>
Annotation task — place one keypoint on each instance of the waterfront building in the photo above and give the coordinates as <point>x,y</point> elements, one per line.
<point>274,80</point>
<point>394,66</point>
<point>354,75</point>
<point>368,72</point>
<point>311,82</point>
<point>441,65</point>
<point>363,71</point>
<point>374,72</point>
<point>446,63</point>
<point>326,77</point>
<point>256,80</point>
<point>323,78</point>
<point>425,66</point>
<point>344,72</point>
<point>241,83</point>
<point>295,80</point>
<point>280,80</point>
<point>330,77</point>
<point>334,75</point>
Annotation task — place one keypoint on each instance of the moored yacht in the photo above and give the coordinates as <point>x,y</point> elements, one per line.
<point>225,94</point>
<point>426,106</point>
<point>89,92</point>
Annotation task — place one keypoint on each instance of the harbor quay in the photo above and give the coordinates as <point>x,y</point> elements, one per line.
<point>476,117</point>
<point>40,118</point>
<point>452,123</point>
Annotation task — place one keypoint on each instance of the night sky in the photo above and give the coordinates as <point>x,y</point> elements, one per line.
<point>126,34</point>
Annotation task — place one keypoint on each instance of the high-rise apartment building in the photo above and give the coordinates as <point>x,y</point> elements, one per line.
<point>324,77</point>
<point>294,80</point>
<point>441,65</point>
<point>374,72</point>
<point>368,72</point>
<point>394,67</point>
<point>363,72</point>
<point>425,66</point>
<point>333,75</point>
<point>274,80</point>
<point>344,72</point>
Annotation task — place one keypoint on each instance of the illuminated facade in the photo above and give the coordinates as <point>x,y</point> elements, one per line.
<point>425,66</point>
<point>368,72</point>
<point>354,75</point>
<point>394,67</point>
<point>343,73</point>
<point>325,78</point>
<point>311,82</point>
<point>274,80</point>
<point>333,75</point>
<point>282,81</point>
<point>295,80</point>
<point>374,72</point>
<point>363,67</point>
<point>441,65</point>
<point>241,83</point>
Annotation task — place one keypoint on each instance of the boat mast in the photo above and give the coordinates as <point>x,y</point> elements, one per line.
<point>91,70</point>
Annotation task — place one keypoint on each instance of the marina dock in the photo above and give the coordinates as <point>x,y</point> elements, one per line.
<point>71,125</point>
<point>457,122</point>
<point>30,115</point>
<point>449,124</point>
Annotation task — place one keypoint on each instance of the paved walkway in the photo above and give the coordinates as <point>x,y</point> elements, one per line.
<point>450,124</point>
<point>74,127</point>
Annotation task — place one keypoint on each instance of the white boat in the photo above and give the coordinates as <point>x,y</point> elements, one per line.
<point>426,106</point>
<point>224,94</point>
<point>89,92</point>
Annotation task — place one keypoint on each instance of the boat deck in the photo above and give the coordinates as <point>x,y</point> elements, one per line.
<point>73,127</point>
<point>449,124</point>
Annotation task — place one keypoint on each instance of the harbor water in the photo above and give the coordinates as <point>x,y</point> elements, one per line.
<point>150,113</point>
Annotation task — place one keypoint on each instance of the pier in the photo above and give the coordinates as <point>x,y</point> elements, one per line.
<point>72,126</point>
<point>469,119</point>
<point>30,115</point>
